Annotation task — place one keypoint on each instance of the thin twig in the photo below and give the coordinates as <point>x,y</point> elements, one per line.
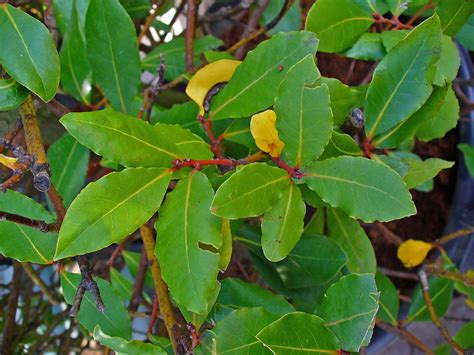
<point>405,334</point>
<point>391,236</point>
<point>156,86</point>
<point>11,133</point>
<point>189,38</point>
<point>149,20</point>
<point>421,11</point>
<point>50,21</point>
<point>459,233</point>
<point>9,318</point>
<point>437,270</point>
<point>139,282</point>
<point>40,283</point>
<point>434,317</point>
<point>398,274</point>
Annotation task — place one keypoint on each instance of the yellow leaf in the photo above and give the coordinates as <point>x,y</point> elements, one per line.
<point>205,78</point>
<point>413,252</point>
<point>262,127</point>
<point>9,162</point>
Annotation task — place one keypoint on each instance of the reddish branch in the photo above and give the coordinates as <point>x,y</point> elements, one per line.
<point>394,21</point>
<point>139,282</point>
<point>190,28</point>
<point>198,164</point>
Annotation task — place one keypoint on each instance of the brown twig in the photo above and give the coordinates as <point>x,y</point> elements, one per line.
<point>405,334</point>
<point>398,274</point>
<point>161,289</point>
<point>9,318</point>
<point>40,283</point>
<point>189,37</point>
<point>50,21</point>
<point>460,233</point>
<point>154,11</point>
<point>139,282</point>
<point>421,11</point>
<point>436,269</point>
<point>156,86</point>
<point>390,236</point>
<point>11,134</point>
<point>434,317</point>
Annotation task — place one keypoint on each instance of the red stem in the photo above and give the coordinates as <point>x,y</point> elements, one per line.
<point>154,315</point>
<point>393,21</point>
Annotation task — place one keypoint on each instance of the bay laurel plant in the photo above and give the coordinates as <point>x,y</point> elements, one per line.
<point>265,155</point>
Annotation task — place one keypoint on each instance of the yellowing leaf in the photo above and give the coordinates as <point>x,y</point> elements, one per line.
<point>217,72</point>
<point>9,162</point>
<point>413,252</point>
<point>262,127</point>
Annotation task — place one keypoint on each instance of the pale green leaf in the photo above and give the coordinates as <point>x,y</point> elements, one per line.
<point>397,7</point>
<point>122,285</point>
<point>132,260</point>
<point>453,14</point>
<point>255,82</point>
<point>251,191</point>
<point>304,334</point>
<point>368,47</point>
<point>352,318</point>
<point>188,238</point>
<point>360,187</point>
<point>348,233</point>
<point>341,144</point>
<point>389,303</point>
<point>464,36</point>
<point>402,81</point>
<point>448,63</point>
<point>338,23</point>
<point>421,171</point>
<point>12,94</point>
<point>29,55</point>
<point>16,203</point>
<point>290,22</point>
<point>113,52</point>
<point>109,209</point>
<point>225,251</point>
<point>26,244</point>
<point>122,346</point>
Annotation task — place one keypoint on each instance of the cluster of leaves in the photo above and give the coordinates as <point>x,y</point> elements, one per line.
<point>326,267</point>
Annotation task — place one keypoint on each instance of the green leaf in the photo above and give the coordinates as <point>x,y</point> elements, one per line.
<point>225,251</point>
<point>303,334</point>
<point>448,64</point>
<point>136,8</point>
<point>108,210</point>
<point>251,191</point>
<point>183,114</point>
<point>191,145</point>
<point>235,334</point>
<point>68,161</point>
<point>453,14</point>
<point>421,171</point>
<point>351,318</point>
<point>113,52</point>
<point>338,23</point>
<point>464,36</point>
<point>188,237</point>
<point>401,82</point>
<point>114,320</point>
<point>174,53</point>
<point>254,85</point>
<point>314,261</point>
<point>76,72</point>
<point>239,132</point>
<point>468,151</point>
<point>368,47</point>
<point>63,13</point>
<point>304,118</point>
<point>132,260</point>
<point>283,224</point>
<point>348,233</point>
<point>397,7</point>
<point>464,336</point>
<point>122,346</point>
<point>290,22</point>
<point>12,94</point>
<point>389,303</point>
<point>26,244</point>
<point>317,222</point>
<point>236,294</point>
<point>441,292</point>
<point>123,139</point>
<point>391,38</point>
<point>434,119</point>
<point>16,203</point>
<point>341,144</point>
<point>122,285</point>
<point>29,55</point>
<point>360,187</point>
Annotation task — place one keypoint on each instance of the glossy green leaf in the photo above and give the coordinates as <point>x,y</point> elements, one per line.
<point>304,118</point>
<point>401,81</point>
<point>360,187</point>
<point>453,14</point>
<point>254,85</point>
<point>304,334</point>
<point>389,303</point>
<point>368,47</point>
<point>236,294</point>
<point>188,236</point>
<point>191,145</point>
<point>63,13</point>
<point>123,139</point>
<point>448,63</point>
<point>76,72</point>
<point>236,333</point>
<point>122,285</point>
<point>26,244</point>
<point>136,8</point>
<point>113,52</point>
<point>441,292</point>
<point>174,53</point>
<point>434,119</point>
<point>108,210</point>
<point>464,36</point>
<point>122,346</point>
<point>290,22</point>
<point>68,161</point>
<point>351,318</point>
<point>421,171</point>
<point>114,320</point>
<point>468,151</point>
<point>341,144</point>
<point>251,191</point>
<point>348,233</point>
<point>239,132</point>
<point>391,38</point>
<point>338,23</point>
<point>12,94</point>
<point>283,224</point>
<point>183,114</point>
<point>29,55</point>
<point>16,203</point>
<point>314,261</point>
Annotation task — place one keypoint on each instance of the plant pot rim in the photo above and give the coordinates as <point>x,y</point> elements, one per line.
<point>461,213</point>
